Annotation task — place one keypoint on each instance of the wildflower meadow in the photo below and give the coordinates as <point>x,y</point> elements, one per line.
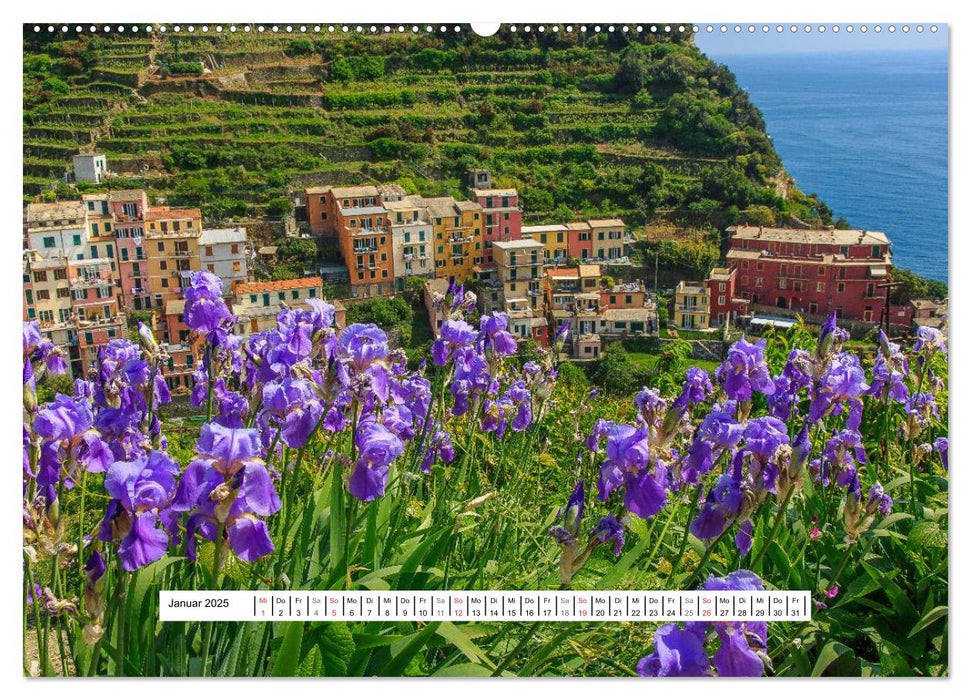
<point>323,460</point>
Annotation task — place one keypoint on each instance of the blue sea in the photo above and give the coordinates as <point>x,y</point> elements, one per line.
<point>867,132</point>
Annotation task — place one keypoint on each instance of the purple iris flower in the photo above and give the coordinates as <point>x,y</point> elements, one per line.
<point>744,371</point>
<point>364,348</point>
<point>471,380</point>
<point>878,501</point>
<point>827,333</point>
<point>651,406</point>
<point>141,493</point>
<point>842,454</point>
<point>609,529</point>
<point>940,446</point>
<point>921,406</point>
<point>570,518</point>
<point>697,385</point>
<point>842,383</point>
<point>454,335</point>
<point>377,448</point>
<point>722,504</point>
<point>495,337</point>
<point>228,484</point>
<point>719,431</point>
<point>205,311</point>
<point>439,446</point>
<point>743,538</point>
<point>930,341</point>
<point>627,466</point>
<point>68,425</point>
<point>677,652</point>
<point>742,643</point>
<point>38,350</point>
<point>293,408</point>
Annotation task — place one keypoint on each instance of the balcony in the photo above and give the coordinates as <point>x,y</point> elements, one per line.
<point>360,250</point>
<point>684,308</point>
<point>89,282</point>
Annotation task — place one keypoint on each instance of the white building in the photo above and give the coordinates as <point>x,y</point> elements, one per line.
<point>411,239</point>
<point>57,229</point>
<point>222,252</point>
<point>90,167</point>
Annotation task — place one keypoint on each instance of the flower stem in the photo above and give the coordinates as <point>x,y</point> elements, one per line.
<point>687,528</point>
<point>213,585</point>
<point>779,517</point>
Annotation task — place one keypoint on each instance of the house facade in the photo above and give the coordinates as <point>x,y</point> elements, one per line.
<point>813,272</point>
<point>502,217</point>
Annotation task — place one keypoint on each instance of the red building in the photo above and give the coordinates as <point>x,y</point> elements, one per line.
<point>579,240</point>
<point>812,272</point>
<point>503,217</point>
<point>724,302</point>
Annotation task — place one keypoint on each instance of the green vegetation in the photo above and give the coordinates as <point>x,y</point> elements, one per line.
<point>639,126</point>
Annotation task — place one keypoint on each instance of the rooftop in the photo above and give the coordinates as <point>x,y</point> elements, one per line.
<point>126,195</point>
<point>391,190</point>
<point>638,314</point>
<point>436,285</point>
<point>215,236</point>
<point>168,213</point>
<point>577,226</point>
<point>440,206</point>
<point>279,285</point>
<point>563,272</point>
<point>363,211</point>
<point>503,192</point>
<point>466,205</point>
<point>40,212</point>
<point>524,244</point>
<point>589,270</point>
<point>349,192</point>
<point>603,223</point>
<point>809,236</point>
<point>685,287</point>
<point>544,228</point>
<point>267,250</point>
<point>412,201</point>
<point>721,274</point>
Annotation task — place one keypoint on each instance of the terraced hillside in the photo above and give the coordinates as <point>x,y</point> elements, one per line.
<point>638,125</point>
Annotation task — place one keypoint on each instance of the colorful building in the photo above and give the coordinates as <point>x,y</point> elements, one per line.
<point>579,240</point>
<point>458,236</point>
<point>610,241</point>
<point>222,251</point>
<point>172,241</point>
<point>56,229</point>
<point>691,306</point>
<point>812,272</point>
<point>128,209</point>
<point>257,304</point>
<point>502,217</point>
<point>519,269</point>
<point>411,239</point>
<point>554,239</point>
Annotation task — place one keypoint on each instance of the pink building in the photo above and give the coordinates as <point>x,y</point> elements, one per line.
<point>503,217</point>
<point>128,208</point>
<point>579,240</point>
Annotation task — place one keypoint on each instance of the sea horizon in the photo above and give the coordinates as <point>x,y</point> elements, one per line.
<point>867,131</point>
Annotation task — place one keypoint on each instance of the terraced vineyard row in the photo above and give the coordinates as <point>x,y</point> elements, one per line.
<point>582,125</point>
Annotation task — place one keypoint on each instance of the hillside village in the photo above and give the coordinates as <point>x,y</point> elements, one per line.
<point>93,268</point>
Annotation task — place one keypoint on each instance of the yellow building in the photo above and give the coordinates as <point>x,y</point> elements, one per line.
<point>457,230</point>
<point>554,240</point>
<point>691,306</point>
<point>172,248</point>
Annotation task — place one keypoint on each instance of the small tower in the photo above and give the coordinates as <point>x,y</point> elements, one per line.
<point>480,179</point>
